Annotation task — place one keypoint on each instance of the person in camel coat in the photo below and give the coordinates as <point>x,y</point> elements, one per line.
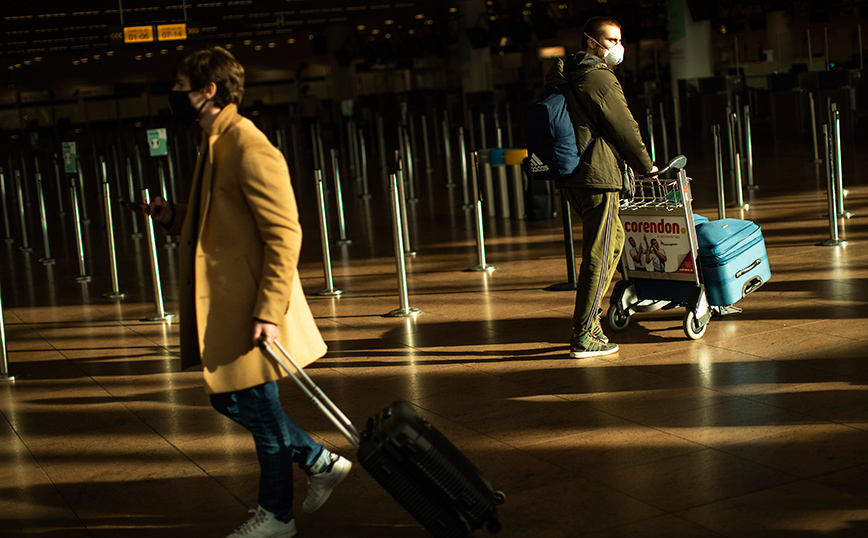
<point>240,240</point>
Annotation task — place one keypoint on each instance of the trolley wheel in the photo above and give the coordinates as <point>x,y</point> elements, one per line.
<point>618,319</point>
<point>692,328</point>
<point>499,497</point>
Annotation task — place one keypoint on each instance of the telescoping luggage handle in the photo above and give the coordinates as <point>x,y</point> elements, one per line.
<point>310,388</point>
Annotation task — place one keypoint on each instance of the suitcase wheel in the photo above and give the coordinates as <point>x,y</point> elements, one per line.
<point>499,497</point>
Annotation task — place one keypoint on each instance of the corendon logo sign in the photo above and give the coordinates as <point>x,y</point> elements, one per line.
<point>660,227</point>
<point>656,244</point>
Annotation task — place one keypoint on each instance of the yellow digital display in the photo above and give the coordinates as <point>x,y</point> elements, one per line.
<point>171,32</point>
<point>138,34</point>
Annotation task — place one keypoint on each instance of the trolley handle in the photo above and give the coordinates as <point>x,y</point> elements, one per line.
<point>338,418</point>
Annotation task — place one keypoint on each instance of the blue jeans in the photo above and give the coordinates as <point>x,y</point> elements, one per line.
<point>279,442</point>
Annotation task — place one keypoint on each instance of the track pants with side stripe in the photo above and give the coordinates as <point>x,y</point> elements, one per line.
<point>602,243</point>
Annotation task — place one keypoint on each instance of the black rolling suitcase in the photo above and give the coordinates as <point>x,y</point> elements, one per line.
<point>413,461</point>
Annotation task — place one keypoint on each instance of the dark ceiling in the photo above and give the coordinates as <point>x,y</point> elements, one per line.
<point>50,43</point>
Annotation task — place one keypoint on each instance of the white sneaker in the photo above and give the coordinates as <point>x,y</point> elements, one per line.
<point>320,486</point>
<point>265,525</point>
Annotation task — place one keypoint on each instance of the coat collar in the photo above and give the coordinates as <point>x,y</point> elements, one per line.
<point>226,119</point>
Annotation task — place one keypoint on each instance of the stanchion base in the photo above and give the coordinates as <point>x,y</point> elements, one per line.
<point>25,249</point>
<point>83,278</point>
<point>833,243</point>
<point>404,313</point>
<point>845,215</point>
<point>85,221</point>
<point>137,235</point>
<point>114,295</point>
<point>563,286</point>
<point>9,240</point>
<point>451,185</point>
<point>467,206</point>
<point>344,241</point>
<point>409,253</point>
<point>366,196</point>
<point>47,261</point>
<point>170,245</point>
<point>330,292</point>
<point>7,378</point>
<point>166,316</point>
<point>479,268</point>
<point>752,187</point>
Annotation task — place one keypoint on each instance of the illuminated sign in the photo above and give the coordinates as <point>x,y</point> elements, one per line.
<point>138,34</point>
<point>171,32</point>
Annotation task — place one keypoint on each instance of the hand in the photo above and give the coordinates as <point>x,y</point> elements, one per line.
<point>652,172</point>
<point>160,210</point>
<point>264,329</point>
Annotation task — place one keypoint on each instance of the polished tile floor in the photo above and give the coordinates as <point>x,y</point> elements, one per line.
<point>758,429</point>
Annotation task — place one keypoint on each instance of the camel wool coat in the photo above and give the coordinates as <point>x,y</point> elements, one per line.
<point>240,240</point>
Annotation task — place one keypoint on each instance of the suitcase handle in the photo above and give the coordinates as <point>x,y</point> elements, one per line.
<point>748,268</point>
<point>751,285</point>
<point>328,407</point>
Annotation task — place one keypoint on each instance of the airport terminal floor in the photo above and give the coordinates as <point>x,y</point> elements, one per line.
<point>757,429</point>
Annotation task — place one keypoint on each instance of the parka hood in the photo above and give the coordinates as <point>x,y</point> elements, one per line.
<point>573,66</point>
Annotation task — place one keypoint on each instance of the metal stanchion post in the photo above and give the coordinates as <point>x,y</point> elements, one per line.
<point>314,147</point>
<point>160,314</point>
<point>83,200</point>
<point>569,246</point>
<point>817,159</point>
<point>663,134</point>
<point>381,148</point>
<point>834,240</point>
<point>739,188</point>
<point>649,122</point>
<point>132,190</point>
<point>402,207</point>
<point>110,237</point>
<point>447,153</point>
<point>508,126</point>
<point>839,173</point>
<point>427,149</point>
<point>514,158</point>
<point>170,242</point>
<point>8,226</point>
<point>5,376</point>
<point>408,160</point>
<point>480,233</point>
<point>482,137</point>
<point>748,143</point>
<point>320,147</point>
<point>718,168</point>
<point>339,199</point>
<point>43,220</point>
<point>462,159</point>
<point>330,289</point>
<point>497,161</point>
<point>76,220</point>
<point>22,215</point>
<point>58,179</point>
<point>677,108</point>
<point>412,160</point>
<point>400,265</point>
<point>363,164</point>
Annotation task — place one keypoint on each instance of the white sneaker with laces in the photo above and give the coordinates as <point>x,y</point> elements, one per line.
<point>321,485</point>
<point>264,524</point>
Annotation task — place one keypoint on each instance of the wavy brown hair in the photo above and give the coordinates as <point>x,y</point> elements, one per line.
<point>217,65</point>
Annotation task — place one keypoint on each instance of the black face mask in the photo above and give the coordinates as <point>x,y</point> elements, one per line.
<point>182,109</point>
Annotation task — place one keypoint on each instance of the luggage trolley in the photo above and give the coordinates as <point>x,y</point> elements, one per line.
<point>658,224</point>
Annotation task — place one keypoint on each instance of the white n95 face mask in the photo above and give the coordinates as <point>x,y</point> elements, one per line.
<point>613,56</point>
